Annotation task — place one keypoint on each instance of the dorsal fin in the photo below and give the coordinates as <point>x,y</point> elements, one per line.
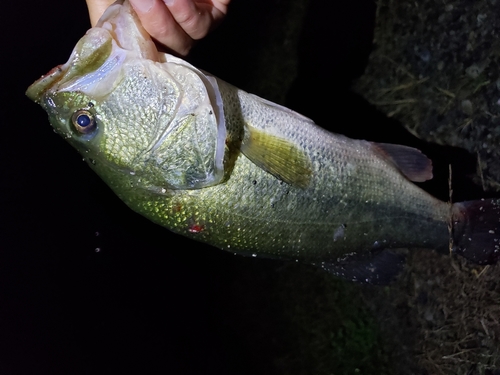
<point>277,156</point>
<point>410,161</point>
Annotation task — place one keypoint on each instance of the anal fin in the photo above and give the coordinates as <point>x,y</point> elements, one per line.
<point>379,268</point>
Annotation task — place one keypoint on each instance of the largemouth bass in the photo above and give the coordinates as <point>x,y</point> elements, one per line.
<point>219,165</point>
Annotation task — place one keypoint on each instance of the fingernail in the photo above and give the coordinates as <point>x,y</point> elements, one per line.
<point>143,6</point>
<point>169,2</point>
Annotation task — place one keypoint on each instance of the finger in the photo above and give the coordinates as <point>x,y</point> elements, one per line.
<point>196,18</point>
<point>97,8</point>
<point>221,5</point>
<point>159,23</point>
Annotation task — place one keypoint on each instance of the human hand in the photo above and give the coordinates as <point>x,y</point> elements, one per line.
<point>175,24</point>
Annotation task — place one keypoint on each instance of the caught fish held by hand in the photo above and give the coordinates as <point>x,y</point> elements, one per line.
<point>216,164</point>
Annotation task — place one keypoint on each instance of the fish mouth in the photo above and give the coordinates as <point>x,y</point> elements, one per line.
<point>89,56</point>
<point>118,32</point>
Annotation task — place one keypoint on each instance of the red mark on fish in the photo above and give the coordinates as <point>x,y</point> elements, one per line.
<point>196,228</point>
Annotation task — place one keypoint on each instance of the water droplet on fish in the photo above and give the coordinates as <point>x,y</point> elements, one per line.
<point>97,250</point>
<point>132,173</point>
<point>339,233</point>
<point>97,234</point>
<point>163,190</point>
<point>254,255</point>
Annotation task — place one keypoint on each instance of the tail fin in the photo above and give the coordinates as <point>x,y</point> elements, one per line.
<point>476,230</point>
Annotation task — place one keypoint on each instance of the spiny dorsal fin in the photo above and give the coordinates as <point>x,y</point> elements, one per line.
<point>410,161</point>
<point>277,156</point>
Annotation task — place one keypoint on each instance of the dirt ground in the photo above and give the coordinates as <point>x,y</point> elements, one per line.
<point>435,68</point>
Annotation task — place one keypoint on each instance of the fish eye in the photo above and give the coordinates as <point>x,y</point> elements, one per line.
<point>83,121</point>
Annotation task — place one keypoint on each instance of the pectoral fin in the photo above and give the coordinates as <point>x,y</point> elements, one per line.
<point>277,156</point>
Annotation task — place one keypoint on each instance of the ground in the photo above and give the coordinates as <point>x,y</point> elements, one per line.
<point>434,68</point>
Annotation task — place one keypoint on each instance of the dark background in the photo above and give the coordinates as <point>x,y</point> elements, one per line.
<point>149,301</point>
